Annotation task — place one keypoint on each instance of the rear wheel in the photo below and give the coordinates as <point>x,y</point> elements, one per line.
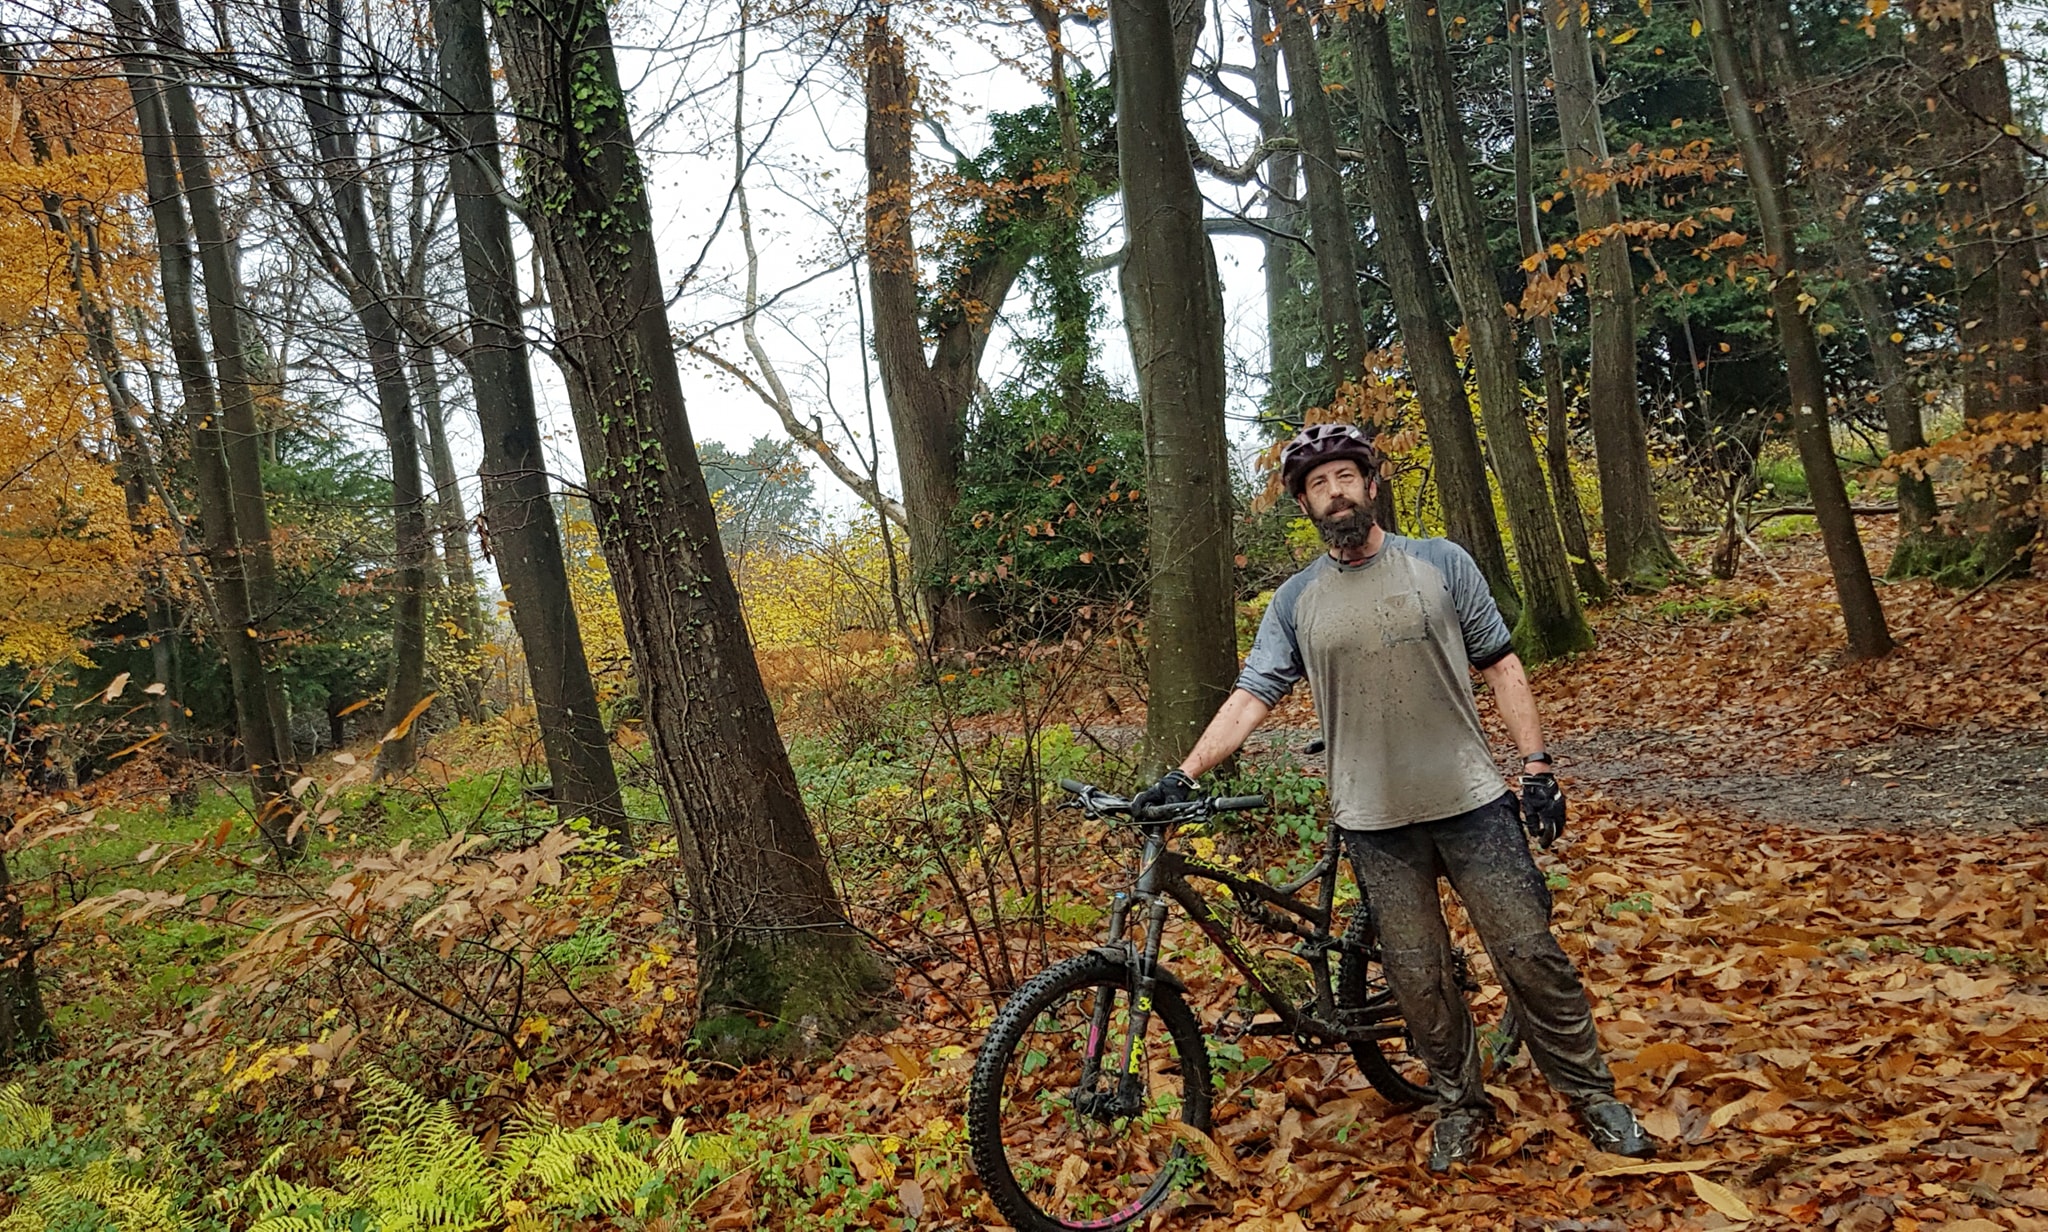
<point>1390,1064</point>
<point>1064,1134</point>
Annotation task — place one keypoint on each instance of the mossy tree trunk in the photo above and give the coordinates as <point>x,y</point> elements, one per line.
<point>1557,454</point>
<point>1638,555</point>
<point>240,570</point>
<point>772,937</point>
<point>1403,251</point>
<point>1553,623</point>
<point>1862,614</point>
<point>25,1030</point>
<point>518,504</point>
<point>1988,214</point>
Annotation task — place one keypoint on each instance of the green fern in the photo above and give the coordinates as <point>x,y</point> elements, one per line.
<point>128,1205</point>
<point>22,1124</point>
<point>546,1169</point>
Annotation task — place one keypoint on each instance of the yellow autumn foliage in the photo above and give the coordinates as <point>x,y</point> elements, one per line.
<point>820,605</point>
<point>68,555</point>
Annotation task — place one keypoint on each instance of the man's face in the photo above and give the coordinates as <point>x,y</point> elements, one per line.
<point>1337,497</point>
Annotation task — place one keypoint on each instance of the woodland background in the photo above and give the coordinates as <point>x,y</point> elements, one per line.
<point>441,788</point>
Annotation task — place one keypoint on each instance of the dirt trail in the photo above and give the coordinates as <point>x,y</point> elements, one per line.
<point>1956,783</point>
<point>1964,784</point>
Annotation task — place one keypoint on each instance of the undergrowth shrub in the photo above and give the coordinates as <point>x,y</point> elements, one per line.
<point>419,1166</point>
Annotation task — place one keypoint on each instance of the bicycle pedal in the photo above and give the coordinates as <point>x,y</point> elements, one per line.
<point>1267,1024</point>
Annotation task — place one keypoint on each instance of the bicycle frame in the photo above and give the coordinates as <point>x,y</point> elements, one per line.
<point>1165,877</point>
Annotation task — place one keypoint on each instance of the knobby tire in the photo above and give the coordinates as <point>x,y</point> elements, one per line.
<point>1001,1090</point>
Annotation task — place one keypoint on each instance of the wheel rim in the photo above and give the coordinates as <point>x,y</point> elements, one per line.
<point>1081,1158</point>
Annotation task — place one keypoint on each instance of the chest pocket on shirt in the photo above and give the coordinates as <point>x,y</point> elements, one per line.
<point>1403,618</point>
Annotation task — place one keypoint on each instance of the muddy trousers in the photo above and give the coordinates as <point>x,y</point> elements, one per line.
<point>1487,861</point>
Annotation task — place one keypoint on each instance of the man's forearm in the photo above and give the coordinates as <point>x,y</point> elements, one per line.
<point>1240,713</point>
<point>1516,702</point>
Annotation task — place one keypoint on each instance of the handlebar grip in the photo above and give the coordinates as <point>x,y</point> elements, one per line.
<point>1072,787</point>
<point>1236,804</point>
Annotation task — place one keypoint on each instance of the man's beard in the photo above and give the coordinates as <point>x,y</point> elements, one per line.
<point>1344,534</point>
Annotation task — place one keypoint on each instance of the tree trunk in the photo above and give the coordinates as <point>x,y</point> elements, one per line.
<point>25,1030</point>
<point>1330,226</point>
<point>927,398</point>
<point>1862,614</point>
<point>451,522</point>
<point>518,506</point>
<point>1332,234</point>
<point>1997,264</point>
<point>1638,556</point>
<point>1919,548</point>
<point>1918,506</point>
<point>1286,359</point>
<point>233,561</point>
<point>1173,313</point>
<point>1553,623</point>
<point>1571,516</point>
<point>365,283</point>
<point>1425,337</point>
<point>772,938</point>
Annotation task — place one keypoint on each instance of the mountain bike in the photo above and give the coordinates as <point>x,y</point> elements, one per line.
<point>1091,1070</point>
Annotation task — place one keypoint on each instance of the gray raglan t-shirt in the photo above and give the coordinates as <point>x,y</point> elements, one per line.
<point>1386,647</point>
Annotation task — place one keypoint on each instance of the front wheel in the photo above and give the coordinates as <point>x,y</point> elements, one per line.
<point>1067,1131</point>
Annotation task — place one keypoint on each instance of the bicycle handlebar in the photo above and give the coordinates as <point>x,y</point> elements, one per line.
<point>1096,800</point>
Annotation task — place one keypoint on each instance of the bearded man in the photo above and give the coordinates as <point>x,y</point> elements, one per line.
<point>1386,629</point>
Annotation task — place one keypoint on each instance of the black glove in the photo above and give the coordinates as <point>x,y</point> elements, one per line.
<point>1542,808</point>
<point>1173,787</point>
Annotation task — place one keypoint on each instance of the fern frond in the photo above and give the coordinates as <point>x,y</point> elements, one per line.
<point>583,1171</point>
<point>22,1123</point>
<point>130,1206</point>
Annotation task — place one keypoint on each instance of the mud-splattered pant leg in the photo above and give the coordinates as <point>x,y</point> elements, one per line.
<point>1487,860</point>
<point>1398,870</point>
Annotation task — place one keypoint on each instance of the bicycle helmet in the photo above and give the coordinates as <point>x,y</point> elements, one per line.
<point>1320,443</point>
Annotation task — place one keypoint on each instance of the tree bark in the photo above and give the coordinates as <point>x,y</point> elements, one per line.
<point>1553,623</point>
<point>335,142</point>
<point>1173,313</point>
<point>1330,226</point>
<point>518,506</point>
<point>1638,555</point>
<point>1819,129</point>
<point>1571,516</point>
<point>772,938</point>
<point>1425,337</point>
<point>927,398</point>
<point>1286,358</point>
<point>25,1030</point>
<point>233,561</point>
<point>1862,614</point>
<point>451,523</point>
<point>1997,265</point>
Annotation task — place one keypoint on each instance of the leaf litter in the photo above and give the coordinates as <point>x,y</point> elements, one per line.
<point>1842,1030</point>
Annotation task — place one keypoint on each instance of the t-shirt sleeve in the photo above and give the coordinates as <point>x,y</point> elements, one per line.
<point>1273,667</point>
<point>1487,641</point>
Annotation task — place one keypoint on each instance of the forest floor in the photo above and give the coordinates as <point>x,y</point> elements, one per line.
<point>1806,895</point>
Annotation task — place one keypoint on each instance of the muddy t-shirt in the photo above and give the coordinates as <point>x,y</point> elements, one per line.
<point>1386,647</point>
